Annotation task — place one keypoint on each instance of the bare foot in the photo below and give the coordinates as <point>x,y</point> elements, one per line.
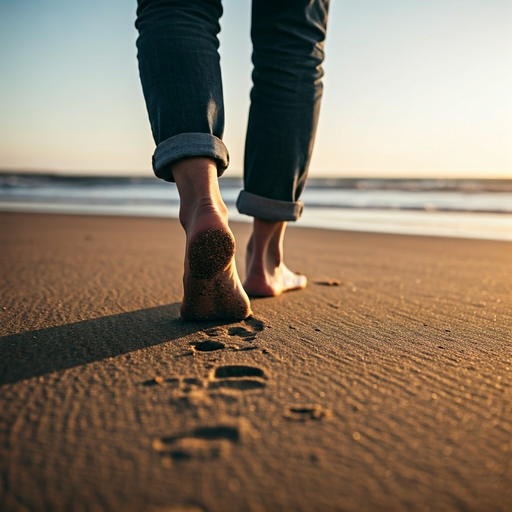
<point>267,275</point>
<point>211,287</point>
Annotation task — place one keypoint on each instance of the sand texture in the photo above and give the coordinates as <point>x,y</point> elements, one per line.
<point>385,385</point>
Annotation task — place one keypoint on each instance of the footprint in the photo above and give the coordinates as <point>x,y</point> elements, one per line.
<point>155,381</point>
<point>255,324</point>
<point>238,370</point>
<point>191,384</point>
<point>240,331</point>
<point>229,432</point>
<point>193,380</point>
<point>239,384</point>
<point>208,345</point>
<point>201,443</point>
<point>248,333</point>
<point>216,337</point>
<point>306,412</point>
<point>240,377</point>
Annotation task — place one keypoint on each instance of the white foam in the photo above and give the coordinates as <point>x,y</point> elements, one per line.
<point>487,226</point>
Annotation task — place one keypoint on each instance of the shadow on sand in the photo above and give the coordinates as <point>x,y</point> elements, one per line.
<point>36,353</point>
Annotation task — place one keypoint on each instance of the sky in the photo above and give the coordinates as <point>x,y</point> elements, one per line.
<point>411,88</point>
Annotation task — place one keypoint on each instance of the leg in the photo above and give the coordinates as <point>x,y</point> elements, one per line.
<point>180,74</point>
<point>267,275</point>
<point>288,38</point>
<point>212,288</point>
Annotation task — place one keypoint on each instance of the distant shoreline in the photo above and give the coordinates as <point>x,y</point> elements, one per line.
<point>495,185</point>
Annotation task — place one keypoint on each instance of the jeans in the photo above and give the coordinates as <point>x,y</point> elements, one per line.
<point>181,79</point>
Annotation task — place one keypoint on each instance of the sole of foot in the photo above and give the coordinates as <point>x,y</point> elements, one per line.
<point>212,289</point>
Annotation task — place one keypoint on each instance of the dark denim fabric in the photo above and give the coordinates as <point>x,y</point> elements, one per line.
<point>181,79</point>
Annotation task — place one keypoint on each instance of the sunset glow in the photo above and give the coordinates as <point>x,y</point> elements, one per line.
<point>411,89</point>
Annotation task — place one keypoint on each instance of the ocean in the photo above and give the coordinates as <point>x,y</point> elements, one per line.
<point>429,207</point>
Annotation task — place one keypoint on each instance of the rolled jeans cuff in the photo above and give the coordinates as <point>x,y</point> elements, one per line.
<point>187,145</point>
<point>264,208</point>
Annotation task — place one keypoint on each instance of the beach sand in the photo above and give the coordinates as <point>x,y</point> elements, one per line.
<point>385,385</point>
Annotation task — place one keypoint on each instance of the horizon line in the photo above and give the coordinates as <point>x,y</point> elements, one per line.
<point>239,174</point>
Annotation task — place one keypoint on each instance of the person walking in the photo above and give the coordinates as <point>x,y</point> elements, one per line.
<point>180,74</point>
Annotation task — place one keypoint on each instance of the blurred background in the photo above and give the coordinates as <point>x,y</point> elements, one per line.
<point>415,133</point>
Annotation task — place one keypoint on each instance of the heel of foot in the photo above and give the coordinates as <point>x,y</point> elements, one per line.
<point>210,253</point>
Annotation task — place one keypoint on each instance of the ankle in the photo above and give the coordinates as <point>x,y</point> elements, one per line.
<point>194,172</point>
<point>274,255</point>
<point>196,179</point>
<point>198,187</point>
<point>203,207</point>
<point>265,247</point>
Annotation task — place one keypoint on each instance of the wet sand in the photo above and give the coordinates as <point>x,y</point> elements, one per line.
<point>385,385</point>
